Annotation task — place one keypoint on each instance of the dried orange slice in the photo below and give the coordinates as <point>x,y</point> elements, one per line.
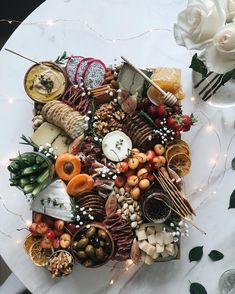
<point>39,256</point>
<point>28,242</point>
<point>178,142</point>
<point>180,163</point>
<point>176,148</point>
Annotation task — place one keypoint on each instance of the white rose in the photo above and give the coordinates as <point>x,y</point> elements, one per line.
<point>229,7</point>
<point>220,55</point>
<point>198,23</point>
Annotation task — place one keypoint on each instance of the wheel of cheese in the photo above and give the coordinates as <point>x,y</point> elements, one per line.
<point>80,69</point>
<point>94,74</point>
<point>71,67</point>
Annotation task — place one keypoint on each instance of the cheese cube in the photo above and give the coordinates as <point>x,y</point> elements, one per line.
<point>155,255</point>
<point>149,260</point>
<point>159,238</point>
<point>159,227</point>
<point>167,238</point>
<point>151,250</point>
<point>141,235</point>
<point>164,254</point>
<point>159,248</point>
<point>143,245</point>
<point>142,227</point>
<point>170,249</point>
<point>151,239</point>
<point>150,230</point>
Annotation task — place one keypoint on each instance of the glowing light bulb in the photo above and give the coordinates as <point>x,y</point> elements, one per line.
<point>225,155</point>
<point>214,192</point>
<point>192,98</point>
<point>17,241</point>
<point>28,222</point>
<point>11,100</point>
<point>213,161</point>
<point>200,189</point>
<point>151,30</point>
<point>111,282</point>
<point>50,23</point>
<point>209,128</point>
<point>10,21</point>
<point>114,41</point>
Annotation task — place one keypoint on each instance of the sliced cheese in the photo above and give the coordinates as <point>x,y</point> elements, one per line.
<point>50,134</point>
<point>143,256</point>
<point>150,230</point>
<point>141,235</point>
<point>143,245</point>
<point>155,255</point>
<point>151,250</point>
<point>151,239</point>
<point>170,249</point>
<point>164,254</point>
<point>159,238</point>
<point>159,248</point>
<point>167,238</point>
<point>159,227</point>
<point>149,260</point>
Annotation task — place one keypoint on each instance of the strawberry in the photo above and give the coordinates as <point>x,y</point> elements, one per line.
<point>143,104</point>
<point>174,122</point>
<point>176,109</point>
<point>161,110</point>
<point>188,121</point>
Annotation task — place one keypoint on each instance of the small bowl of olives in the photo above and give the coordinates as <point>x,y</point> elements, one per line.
<point>93,245</point>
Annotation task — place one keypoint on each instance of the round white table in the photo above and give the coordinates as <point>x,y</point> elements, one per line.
<point>107,29</point>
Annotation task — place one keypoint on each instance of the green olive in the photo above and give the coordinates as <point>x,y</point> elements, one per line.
<point>99,252</point>
<point>82,243</point>
<point>81,254</point>
<point>88,263</point>
<point>90,250</point>
<point>102,243</point>
<point>74,245</point>
<point>102,234</point>
<point>90,232</point>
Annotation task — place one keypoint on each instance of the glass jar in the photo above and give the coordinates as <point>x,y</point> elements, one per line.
<point>227,282</point>
<point>156,205</point>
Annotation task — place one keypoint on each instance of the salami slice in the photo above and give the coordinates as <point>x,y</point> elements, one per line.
<point>94,74</point>
<point>71,67</point>
<point>80,68</point>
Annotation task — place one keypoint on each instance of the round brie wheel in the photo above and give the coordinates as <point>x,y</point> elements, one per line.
<point>116,146</point>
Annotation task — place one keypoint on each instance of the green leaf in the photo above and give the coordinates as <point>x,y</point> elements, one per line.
<point>196,288</point>
<point>232,200</point>
<point>228,76</point>
<point>198,65</point>
<point>215,255</point>
<point>196,253</point>
<point>233,163</point>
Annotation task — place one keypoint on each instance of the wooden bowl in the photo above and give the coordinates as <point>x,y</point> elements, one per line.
<point>98,226</point>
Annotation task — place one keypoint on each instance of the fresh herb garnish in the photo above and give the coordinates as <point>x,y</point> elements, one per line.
<point>46,82</point>
<point>119,144</point>
<point>61,58</point>
<point>51,201</point>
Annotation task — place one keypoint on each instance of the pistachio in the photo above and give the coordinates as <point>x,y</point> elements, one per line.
<point>125,206</point>
<point>131,208</point>
<point>116,190</point>
<point>133,217</point>
<point>135,204</point>
<point>117,196</point>
<point>129,201</point>
<point>134,225</point>
<point>138,217</point>
<point>126,212</point>
<point>119,211</point>
<point>122,191</point>
<point>120,199</point>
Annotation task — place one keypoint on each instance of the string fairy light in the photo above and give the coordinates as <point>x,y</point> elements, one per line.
<point>52,22</point>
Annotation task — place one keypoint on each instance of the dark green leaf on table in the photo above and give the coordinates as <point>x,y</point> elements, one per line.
<point>232,200</point>
<point>198,65</point>
<point>196,288</point>
<point>196,253</point>
<point>233,163</point>
<point>228,76</point>
<point>215,255</point>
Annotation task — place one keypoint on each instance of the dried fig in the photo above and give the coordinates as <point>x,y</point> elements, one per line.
<point>111,205</point>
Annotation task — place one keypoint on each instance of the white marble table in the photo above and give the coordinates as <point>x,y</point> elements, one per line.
<point>212,141</point>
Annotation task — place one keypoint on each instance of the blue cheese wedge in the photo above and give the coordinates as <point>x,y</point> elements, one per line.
<point>54,201</point>
<point>50,134</point>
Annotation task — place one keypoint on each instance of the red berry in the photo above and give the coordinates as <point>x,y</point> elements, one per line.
<point>152,110</point>
<point>161,110</point>
<point>146,103</point>
<point>176,109</point>
<point>186,120</point>
<point>50,234</point>
<point>174,122</point>
<point>158,122</point>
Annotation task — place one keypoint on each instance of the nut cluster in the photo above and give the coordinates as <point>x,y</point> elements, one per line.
<point>109,117</point>
<point>128,207</point>
<point>60,264</point>
<point>37,121</point>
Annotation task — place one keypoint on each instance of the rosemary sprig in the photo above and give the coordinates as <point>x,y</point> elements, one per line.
<point>61,58</point>
<point>28,141</point>
<point>47,83</point>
